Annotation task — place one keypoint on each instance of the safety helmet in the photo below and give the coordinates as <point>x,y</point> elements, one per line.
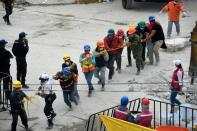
<point>145,101</point>
<point>177,62</point>
<point>16,84</point>
<point>100,44</point>
<point>124,100</point>
<point>132,30</point>
<point>66,57</point>
<point>142,24</point>
<point>111,32</point>
<point>66,71</point>
<point>120,32</point>
<point>22,34</point>
<point>86,47</point>
<point>151,18</point>
<point>3,42</point>
<point>44,76</point>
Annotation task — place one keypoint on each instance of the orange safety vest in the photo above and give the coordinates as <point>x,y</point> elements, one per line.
<point>86,64</point>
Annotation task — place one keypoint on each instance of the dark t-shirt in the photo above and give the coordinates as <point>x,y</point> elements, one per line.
<point>142,32</point>
<point>5,56</point>
<point>159,35</point>
<point>16,99</point>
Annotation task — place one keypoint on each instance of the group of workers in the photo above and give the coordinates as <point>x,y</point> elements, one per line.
<point>142,118</point>
<point>107,52</point>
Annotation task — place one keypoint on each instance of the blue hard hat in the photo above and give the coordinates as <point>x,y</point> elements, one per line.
<point>124,100</point>
<point>111,32</point>
<point>151,18</point>
<point>66,71</point>
<point>22,34</point>
<point>87,47</point>
<point>3,42</point>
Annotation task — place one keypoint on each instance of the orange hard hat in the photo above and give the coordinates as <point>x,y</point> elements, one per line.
<point>120,32</point>
<point>132,30</point>
<point>100,43</point>
<point>145,101</point>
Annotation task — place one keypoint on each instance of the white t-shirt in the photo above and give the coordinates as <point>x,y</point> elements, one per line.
<point>46,87</point>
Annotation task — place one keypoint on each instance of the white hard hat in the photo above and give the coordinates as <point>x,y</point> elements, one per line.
<point>44,76</point>
<point>177,62</point>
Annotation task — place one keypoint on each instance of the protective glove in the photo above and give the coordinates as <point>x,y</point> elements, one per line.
<point>184,14</point>
<point>103,53</point>
<point>55,77</point>
<point>29,98</point>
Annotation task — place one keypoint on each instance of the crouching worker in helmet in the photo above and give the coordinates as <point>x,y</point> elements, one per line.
<point>145,117</point>
<point>122,112</point>
<point>45,91</point>
<point>17,105</point>
<point>66,80</point>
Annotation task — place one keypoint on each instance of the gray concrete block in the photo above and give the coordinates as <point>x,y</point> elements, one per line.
<point>177,44</point>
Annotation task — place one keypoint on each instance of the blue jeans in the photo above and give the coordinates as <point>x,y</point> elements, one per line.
<point>99,73</point>
<point>170,27</point>
<point>67,96</point>
<point>173,99</point>
<point>88,77</point>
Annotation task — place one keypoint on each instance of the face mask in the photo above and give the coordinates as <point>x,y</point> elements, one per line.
<point>67,63</point>
<point>101,49</point>
<point>110,36</point>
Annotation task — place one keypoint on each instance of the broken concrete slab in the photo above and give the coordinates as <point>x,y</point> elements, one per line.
<point>177,44</point>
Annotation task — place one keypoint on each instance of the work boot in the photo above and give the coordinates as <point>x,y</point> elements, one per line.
<point>129,65</point>
<point>99,82</point>
<point>70,107</point>
<point>89,93</point>
<point>4,18</point>
<point>26,128</point>
<point>119,71</point>
<point>53,115</point>
<point>25,86</point>
<point>138,71</point>
<point>103,87</point>
<point>142,65</point>
<point>50,123</point>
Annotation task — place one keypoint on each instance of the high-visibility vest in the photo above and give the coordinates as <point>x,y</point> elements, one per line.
<point>175,81</point>
<point>145,118</point>
<point>123,115</point>
<point>86,64</point>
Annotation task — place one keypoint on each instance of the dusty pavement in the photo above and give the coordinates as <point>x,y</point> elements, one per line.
<point>55,30</point>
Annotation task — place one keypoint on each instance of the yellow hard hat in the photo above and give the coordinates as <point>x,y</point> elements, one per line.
<point>66,57</point>
<point>16,84</point>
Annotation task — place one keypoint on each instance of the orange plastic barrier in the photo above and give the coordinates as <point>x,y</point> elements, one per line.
<point>171,128</point>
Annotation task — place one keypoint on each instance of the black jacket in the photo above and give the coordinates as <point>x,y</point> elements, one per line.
<point>100,60</point>
<point>20,48</point>
<point>5,56</point>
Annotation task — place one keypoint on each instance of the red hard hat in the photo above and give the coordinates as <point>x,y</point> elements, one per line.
<point>145,101</point>
<point>120,32</point>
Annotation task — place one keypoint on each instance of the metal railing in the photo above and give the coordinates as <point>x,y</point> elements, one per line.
<point>182,117</point>
<point>5,92</point>
<point>94,124</point>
